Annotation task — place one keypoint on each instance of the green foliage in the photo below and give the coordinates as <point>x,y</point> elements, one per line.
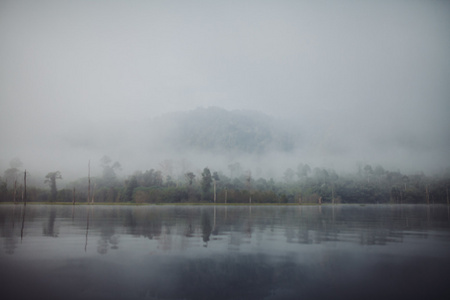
<point>160,195</point>
<point>64,195</point>
<point>107,194</point>
<point>367,185</point>
<point>149,178</point>
<point>132,184</point>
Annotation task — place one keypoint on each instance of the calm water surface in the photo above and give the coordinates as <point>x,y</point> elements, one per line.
<point>234,252</point>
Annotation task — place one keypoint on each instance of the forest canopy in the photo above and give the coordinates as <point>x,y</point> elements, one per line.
<point>301,184</point>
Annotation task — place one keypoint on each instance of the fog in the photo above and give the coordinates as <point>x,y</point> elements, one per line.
<point>360,82</point>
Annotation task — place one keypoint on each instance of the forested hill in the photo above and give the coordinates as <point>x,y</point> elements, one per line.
<point>218,130</point>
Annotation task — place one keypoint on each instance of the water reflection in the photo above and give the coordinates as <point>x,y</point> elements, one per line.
<point>49,227</point>
<point>303,225</point>
<point>108,239</point>
<point>23,221</point>
<point>204,252</point>
<point>206,228</point>
<point>87,227</point>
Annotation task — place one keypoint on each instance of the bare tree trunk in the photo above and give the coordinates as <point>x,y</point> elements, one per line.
<point>73,196</point>
<point>214,224</point>
<point>249,185</point>
<point>15,190</point>
<point>87,230</point>
<point>214,190</point>
<point>25,188</point>
<point>93,193</point>
<point>332,194</point>
<point>89,182</point>
<point>23,223</point>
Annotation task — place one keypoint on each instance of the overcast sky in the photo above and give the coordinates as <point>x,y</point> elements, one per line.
<point>374,74</point>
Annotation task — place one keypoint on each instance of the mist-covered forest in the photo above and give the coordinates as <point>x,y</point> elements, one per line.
<point>227,157</point>
<point>301,184</point>
<point>357,94</point>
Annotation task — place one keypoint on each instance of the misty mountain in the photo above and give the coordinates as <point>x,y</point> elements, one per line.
<point>221,131</point>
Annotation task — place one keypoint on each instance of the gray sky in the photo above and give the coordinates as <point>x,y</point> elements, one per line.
<point>369,80</point>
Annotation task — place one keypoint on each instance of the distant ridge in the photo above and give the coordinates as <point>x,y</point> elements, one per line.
<point>218,130</point>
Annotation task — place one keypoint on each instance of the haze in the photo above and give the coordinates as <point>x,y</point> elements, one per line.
<point>360,81</point>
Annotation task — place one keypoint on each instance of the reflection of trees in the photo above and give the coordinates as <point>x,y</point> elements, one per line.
<point>130,221</point>
<point>189,230</point>
<point>165,239</point>
<point>49,226</point>
<point>87,228</point>
<point>7,224</point>
<point>366,225</point>
<point>387,224</point>
<point>23,222</point>
<point>206,228</point>
<point>248,227</point>
<point>215,230</point>
<point>107,239</point>
<point>146,222</point>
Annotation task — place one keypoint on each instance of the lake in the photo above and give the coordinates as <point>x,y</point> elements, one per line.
<point>225,252</point>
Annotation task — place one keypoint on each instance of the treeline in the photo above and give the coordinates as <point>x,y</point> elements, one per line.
<point>300,185</point>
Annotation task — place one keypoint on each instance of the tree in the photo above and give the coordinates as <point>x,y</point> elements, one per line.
<point>12,173</point>
<point>3,190</point>
<point>368,171</point>
<point>51,180</point>
<point>190,178</point>
<point>405,180</point>
<point>288,175</point>
<point>248,184</point>
<point>109,171</point>
<point>303,170</point>
<point>170,182</point>
<point>206,180</point>
<point>333,178</point>
<point>132,184</point>
<point>166,167</point>
<point>321,175</point>
<point>215,178</point>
